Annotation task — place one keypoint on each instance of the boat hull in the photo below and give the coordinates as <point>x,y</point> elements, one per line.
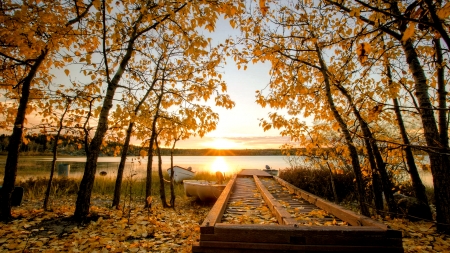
<point>272,172</point>
<point>180,174</point>
<point>202,189</point>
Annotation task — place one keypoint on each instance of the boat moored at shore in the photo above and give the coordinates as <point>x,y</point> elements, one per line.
<point>180,173</point>
<point>202,189</point>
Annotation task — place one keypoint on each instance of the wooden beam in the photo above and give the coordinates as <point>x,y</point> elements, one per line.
<point>352,218</point>
<point>282,215</point>
<point>215,214</point>
<point>308,235</point>
<point>230,247</point>
<point>253,172</point>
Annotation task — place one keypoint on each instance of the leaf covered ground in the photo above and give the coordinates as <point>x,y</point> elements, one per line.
<point>420,236</point>
<point>132,229</point>
<point>135,229</point>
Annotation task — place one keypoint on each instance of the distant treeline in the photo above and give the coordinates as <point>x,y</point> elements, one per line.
<point>224,152</point>
<point>42,145</point>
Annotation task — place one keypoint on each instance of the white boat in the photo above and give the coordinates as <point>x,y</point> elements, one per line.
<point>271,171</point>
<point>180,173</point>
<point>202,189</point>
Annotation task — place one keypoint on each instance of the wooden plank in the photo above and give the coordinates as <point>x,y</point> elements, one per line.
<point>253,172</point>
<point>245,202</point>
<point>303,237</point>
<point>311,235</point>
<point>282,215</point>
<point>215,214</point>
<point>213,246</point>
<point>346,215</point>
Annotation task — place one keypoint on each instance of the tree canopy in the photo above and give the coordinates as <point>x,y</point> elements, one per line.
<point>372,75</point>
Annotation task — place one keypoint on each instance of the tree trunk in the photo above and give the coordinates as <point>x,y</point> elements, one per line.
<point>9,179</point>
<point>376,184</point>
<point>419,188</point>
<point>54,151</point>
<point>148,181</point>
<point>377,190</point>
<point>87,182</point>
<point>442,95</point>
<point>373,152</point>
<point>437,23</point>
<point>148,188</point>
<point>437,151</point>
<point>333,187</point>
<point>123,157</point>
<point>172,190</point>
<point>121,168</point>
<point>162,188</point>
<point>439,159</point>
<point>349,142</point>
<point>385,179</point>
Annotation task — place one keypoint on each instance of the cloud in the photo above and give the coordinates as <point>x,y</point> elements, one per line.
<point>249,142</point>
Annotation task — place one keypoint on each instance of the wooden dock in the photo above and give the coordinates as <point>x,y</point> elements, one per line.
<point>257,212</point>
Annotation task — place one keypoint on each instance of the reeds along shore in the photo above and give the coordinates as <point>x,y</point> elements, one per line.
<point>318,182</point>
<point>34,187</point>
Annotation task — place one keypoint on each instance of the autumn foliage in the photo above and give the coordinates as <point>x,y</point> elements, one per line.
<point>370,77</point>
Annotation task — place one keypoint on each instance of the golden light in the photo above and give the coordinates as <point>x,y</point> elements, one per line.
<point>220,165</point>
<point>223,144</point>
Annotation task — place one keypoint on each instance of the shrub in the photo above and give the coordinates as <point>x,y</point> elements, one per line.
<point>318,182</point>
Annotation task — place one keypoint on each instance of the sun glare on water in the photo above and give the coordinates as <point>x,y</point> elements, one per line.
<point>220,165</point>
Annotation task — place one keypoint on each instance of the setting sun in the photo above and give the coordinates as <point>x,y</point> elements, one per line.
<point>222,144</point>
<point>220,165</point>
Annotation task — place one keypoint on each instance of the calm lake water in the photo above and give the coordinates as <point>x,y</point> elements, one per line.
<point>39,166</point>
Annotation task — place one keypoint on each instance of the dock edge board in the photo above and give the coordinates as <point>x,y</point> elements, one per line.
<point>364,234</point>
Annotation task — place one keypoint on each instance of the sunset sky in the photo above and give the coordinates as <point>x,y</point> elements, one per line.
<point>239,128</point>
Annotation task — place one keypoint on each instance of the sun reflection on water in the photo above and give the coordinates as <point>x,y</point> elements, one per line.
<point>220,165</point>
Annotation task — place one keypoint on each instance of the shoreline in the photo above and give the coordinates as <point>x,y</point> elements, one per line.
<point>166,152</point>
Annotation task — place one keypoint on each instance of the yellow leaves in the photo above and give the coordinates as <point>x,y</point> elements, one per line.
<point>138,231</point>
<point>420,236</point>
<point>376,110</point>
<point>355,12</point>
<point>363,50</point>
<point>276,48</point>
<point>233,23</point>
<point>210,27</point>
<point>263,8</point>
<point>143,153</point>
<point>444,12</point>
<point>97,4</point>
<point>409,32</point>
<point>67,72</point>
<point>25,140</point>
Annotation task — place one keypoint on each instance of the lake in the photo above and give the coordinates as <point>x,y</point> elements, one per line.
<point>39,166</point>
